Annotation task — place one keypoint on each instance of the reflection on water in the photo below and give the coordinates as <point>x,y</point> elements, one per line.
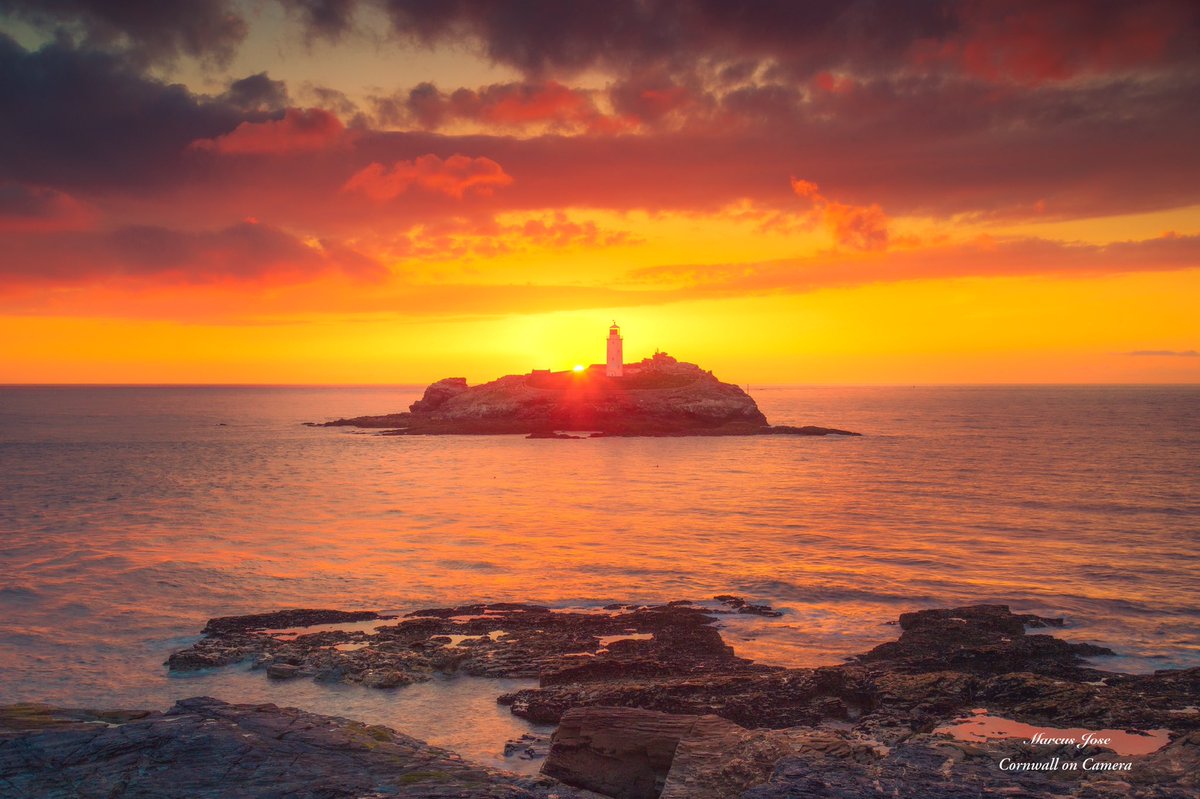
<point>457,713</point>
<point>980,726</point>
<point>131,516</point>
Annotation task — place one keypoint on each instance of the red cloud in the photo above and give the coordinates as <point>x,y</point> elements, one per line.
<point>247,252</point>
<point>455,177</point>
<point>1037,42</point>
<point>834,84</point>
<point>654,97</point>
<point>301,130</point>
<point>38,209</point>
<point>551,101</point>
<point>862,227</point>
<point>511,105</point>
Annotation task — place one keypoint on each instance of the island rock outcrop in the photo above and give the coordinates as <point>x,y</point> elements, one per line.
<point>659,396</point>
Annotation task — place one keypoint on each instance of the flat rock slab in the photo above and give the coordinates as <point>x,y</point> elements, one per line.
<point>623,752</point>
<point>205,748</point>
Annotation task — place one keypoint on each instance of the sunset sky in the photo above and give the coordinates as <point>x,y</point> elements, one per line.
<point>391,191</point>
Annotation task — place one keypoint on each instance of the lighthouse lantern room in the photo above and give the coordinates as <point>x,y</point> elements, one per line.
<point>615,352</point>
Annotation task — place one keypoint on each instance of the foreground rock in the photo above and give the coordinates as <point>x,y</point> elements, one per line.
<point>206,748</point>
<point>638,754</point>
<point>657,397</point>
<point>651,701</point>
<point>498,640</point>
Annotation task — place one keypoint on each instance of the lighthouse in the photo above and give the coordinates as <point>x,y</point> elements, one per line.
<point>615,353</point>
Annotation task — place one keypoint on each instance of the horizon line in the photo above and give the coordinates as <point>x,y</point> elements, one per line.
<point>1015,383</point>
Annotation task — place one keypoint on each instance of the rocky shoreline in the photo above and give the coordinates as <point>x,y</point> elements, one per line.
<point>658,397</point>
<point>649,702</point>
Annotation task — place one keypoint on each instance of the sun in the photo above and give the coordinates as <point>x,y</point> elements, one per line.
<point>578,367</point>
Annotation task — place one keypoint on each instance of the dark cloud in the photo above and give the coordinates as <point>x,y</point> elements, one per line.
<point>329,99</point>
<point>40,208</point>
<point>91,118</point>
<point>30,202</point>
<point>1021,40</point>
<point>326,19</point>
<point>257,93</point>
<point>544,37</point>
<point>1026,41</point>
<point>149,30</point>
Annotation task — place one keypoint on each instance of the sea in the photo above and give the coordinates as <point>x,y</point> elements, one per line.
<point>131,515</point>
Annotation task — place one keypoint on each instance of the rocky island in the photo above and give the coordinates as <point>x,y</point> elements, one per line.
<point>660,396</point>
<point>650,703</point>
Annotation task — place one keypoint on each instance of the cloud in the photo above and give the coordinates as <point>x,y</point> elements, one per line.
<point>89,123</point>
<point>257,93</point>
<point>154,31</point>
<point>545,37</point>
<point>1165,353</point>
<point>1017,39</point>
<point>855,226</point>
<point>1033,42</point>
<point>465,238</point>
<point>324,19</point>
<point>39,209</point>
<point>981,257</point>
<point>244,252</point>
<point>1026,41</point>
<point>456,176</point>
<point>76,118</point>
<point>518,106</point>
<point>653,98</point>
<point>299,131</point>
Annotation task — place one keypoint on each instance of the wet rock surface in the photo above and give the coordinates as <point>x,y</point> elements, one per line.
<point>204,748</point>
<point>496,640</point>
<point>530,746</point>
<point>658,397</point>
<point>650,701</point>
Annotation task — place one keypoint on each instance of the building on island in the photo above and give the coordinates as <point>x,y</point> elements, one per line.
<point>616,353</point>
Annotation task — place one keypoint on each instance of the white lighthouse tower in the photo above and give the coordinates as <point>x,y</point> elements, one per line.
<point>615,352</point>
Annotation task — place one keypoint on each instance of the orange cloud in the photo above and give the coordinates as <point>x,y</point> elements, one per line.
<point>981,257</point>
<point>860,227</point>
<point>301,130</point>
<point>454,177</point>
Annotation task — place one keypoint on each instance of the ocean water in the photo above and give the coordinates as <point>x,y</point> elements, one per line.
<point>129,516</point>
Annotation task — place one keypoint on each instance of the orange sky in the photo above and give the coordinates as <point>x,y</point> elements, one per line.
<point>386,192</point>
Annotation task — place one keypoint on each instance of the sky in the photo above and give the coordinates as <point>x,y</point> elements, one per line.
<point>396,191</point>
